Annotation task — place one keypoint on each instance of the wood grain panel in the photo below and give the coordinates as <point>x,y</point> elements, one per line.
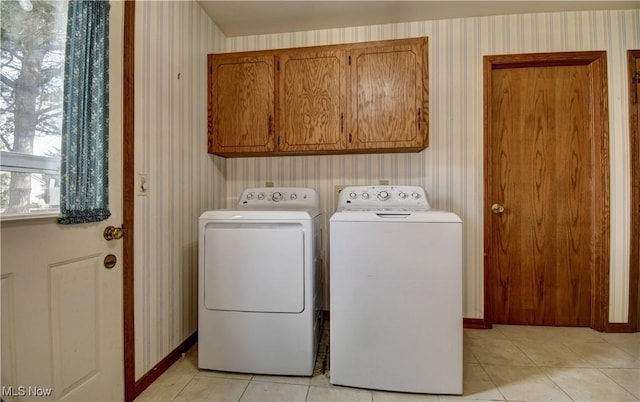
<point>242,103</point>
<point>312,101</point>
<point>386,85</point>
<point>543,250</point>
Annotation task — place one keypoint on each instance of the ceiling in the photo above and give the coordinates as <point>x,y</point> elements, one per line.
<point>241,18</point>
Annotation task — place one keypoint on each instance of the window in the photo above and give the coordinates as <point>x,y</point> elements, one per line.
<point>31,88</point>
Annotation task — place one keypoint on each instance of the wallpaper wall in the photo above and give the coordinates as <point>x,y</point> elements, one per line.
<point>172,40</point>
<point>171,45</point>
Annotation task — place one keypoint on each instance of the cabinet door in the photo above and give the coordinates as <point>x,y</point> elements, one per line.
<point>388,97</point>
<point>312,90</point>
<point>241,104</point>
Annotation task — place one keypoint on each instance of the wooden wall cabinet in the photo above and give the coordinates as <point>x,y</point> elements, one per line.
<point>241,104</point>
<point>353,98</point>
<point>311,108</point>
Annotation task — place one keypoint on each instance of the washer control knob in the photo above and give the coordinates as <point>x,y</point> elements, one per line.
<point>402,195</point>
<point>365,195</point>
<point>294,196</point>
<point>383,195</point>
<point>415,195</point>
<point>261,196</point>
<point>353,195</point>
<point>277,196</point>
<point>250,196</point>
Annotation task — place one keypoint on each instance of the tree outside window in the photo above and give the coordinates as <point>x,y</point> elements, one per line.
<point>31,87</point>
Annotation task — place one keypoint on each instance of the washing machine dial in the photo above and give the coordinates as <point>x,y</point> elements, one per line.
<point>365,195</point>
<point>353,195</point>
<point>261,196</point>
<point>277,196</point>
<point>294,196</point>
<point>250,196</point>
<point>402,195</point>
<point>383,195</point>
<point>415,195</point>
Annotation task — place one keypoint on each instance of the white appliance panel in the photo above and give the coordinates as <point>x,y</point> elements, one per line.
<point>268,276</point>
<point>396,305</point>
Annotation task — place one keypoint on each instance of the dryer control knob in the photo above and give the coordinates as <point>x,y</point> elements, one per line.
<point>261,196</point>
<point>353,195</point>
<point>383,195</point>
<point>277,196</point>
<point>415,195</point>
<point>402,195</point>
<point>250,196</point>
<point>365,195</point>
<point>294,196</point>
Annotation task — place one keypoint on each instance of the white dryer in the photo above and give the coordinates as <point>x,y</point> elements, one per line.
<point>259,283</point>
<point>396,292</point>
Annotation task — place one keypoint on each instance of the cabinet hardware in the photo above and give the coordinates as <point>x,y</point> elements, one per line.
<point>269,126</point>
<point>349,137</point>
<point>419,119</point>
<point>342,122</point>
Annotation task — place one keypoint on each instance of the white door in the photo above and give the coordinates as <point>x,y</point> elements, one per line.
<point>61,308</point>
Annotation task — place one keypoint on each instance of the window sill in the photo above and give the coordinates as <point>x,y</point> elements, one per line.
<point>26,217</point>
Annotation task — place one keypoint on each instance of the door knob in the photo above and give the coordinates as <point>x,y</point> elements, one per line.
<point>112,232</point>
<point>497,209</point>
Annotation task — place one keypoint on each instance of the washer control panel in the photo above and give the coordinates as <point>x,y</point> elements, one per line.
<point>364,198</point>
<point>280,197</point>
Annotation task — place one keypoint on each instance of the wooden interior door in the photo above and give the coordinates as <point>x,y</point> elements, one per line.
<point>546,189</point>
<point>312,101</point>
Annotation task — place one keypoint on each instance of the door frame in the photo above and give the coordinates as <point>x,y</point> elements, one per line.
<point>634,142</point>
<point>600,152</point>
<point>128,193</point>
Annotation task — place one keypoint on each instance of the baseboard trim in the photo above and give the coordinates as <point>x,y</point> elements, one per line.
<point>475,323</point>
<point>164,364</point>
<point>620,327</point>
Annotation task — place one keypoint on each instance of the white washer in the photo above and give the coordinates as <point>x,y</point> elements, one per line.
<point>258,283</point>
<point>396,292</point>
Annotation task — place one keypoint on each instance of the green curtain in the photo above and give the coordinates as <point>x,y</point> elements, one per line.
<point>85,122</point>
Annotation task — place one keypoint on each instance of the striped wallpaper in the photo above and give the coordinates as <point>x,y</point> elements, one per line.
<point>172,40</point>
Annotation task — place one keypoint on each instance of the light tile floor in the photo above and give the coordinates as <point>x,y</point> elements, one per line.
<point>512,363</point>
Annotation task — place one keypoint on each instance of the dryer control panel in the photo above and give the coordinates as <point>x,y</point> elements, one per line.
<point>375,198</point>
<point>279,197</point>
